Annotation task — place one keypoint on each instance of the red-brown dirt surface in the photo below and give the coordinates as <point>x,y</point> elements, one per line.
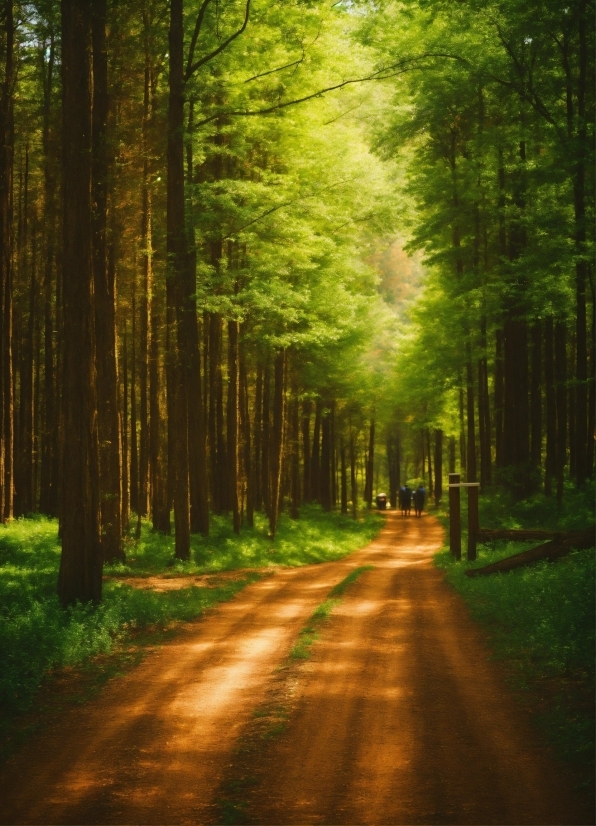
<point>399,716</point>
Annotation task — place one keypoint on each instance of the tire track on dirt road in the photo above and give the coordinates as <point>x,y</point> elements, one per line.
<point>401,717</point>
<point>153,747</point>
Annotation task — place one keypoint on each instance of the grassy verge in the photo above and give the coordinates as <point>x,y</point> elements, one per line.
<point>318,536</point>
<point>540,621</point>
<point>38,638</point>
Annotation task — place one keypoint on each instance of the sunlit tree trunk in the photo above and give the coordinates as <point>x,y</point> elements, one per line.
<point>104,301</point>
<point>277,434</point>
<point>306,450</point>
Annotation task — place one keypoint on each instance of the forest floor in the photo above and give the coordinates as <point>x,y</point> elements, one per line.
<point>399,716</point>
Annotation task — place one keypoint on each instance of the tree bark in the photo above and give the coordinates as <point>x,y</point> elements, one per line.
<point>353,479</point>
<point>249,469</point>
<point>325,477</point>
<point>275,458</point>
<point>48,494</point>
<point>370,465</point>
<point>306,450</point>
<point>6,263</point>
<point>295,452</point>
<point>80,576</point>
<point>315,462</point>
<point>438,466</point>
<point>232,429</point>
<point>178,299</point>
<point>561,402</point>
<point>471,429</point>
<point>550,462</point>
<point>104,301</point>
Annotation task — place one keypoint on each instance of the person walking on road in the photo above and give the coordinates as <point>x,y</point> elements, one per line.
<point>402,500</point>
<point>407,500</point>
<point>419,495</point>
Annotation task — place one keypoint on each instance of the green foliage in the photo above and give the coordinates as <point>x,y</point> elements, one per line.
<point>318,536</point>
<point>37,635</point>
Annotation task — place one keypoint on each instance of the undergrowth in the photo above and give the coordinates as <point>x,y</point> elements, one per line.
<point>38,637</point>
<point>318,536</point>
<point>540,619</point>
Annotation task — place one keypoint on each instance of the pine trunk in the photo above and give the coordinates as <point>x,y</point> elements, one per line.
<point>275,458</point>
<point>80,576</point>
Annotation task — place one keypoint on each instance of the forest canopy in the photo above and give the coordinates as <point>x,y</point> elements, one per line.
<point>254,255</point>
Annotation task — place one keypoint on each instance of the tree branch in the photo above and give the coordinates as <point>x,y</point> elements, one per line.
<point>191,69</point>
<point>195,34</point>
<point>273,71</point>
<point>380,74</point>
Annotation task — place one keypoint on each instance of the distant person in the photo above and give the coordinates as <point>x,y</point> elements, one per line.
<point>419,495</point>
<point>402,500</point>
<point>408,500</point>
<point>381,501</point>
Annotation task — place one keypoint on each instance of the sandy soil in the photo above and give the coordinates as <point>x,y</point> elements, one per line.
<point>400,719</point>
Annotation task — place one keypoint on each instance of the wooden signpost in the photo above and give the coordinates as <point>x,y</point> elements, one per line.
<point>455,516</point>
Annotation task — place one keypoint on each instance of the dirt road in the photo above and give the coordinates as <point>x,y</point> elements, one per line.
<point>401,719</point>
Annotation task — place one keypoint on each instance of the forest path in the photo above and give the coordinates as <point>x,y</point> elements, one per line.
<point>399,717</point>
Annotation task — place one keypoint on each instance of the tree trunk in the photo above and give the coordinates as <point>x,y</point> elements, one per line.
<point>258,449</point>
<point>343,476</point>
<point>48,500</point>
<point>295,452</point>
<point>353,479</point>
<point>561,401</point>
<point>315,463</point>
<point>266,439</point>
<point>306,450</point>
<point>125,504</point>
<point>276,440</point>
<point>499,394</point>
<point>471,429</point>
<point>516,430</point>
<point>80,576</point>
<point>133,440</point>
<point>431,488</point>
<point>451,454</point>
<point>550,463</point>
<point>249,470</point>
<point>370,465</point>
<point>104,301</point>
<point>581,265</point>
<point>232,430</point>
<point>6,256</point>
<point>438,466</point>
<point>325,478</point>
<point>177,281</point>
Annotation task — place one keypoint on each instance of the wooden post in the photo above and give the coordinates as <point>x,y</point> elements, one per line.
<point>473,521</point>
<point>454,515</point>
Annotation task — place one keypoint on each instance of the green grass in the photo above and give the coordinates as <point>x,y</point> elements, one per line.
<point>540,619</point>
<point>38,637</point>
<point>318,536</point>
<point>310,632</point>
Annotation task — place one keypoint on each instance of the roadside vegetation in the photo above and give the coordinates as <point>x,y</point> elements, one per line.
<point>38,637</point>
<point>540,619</point>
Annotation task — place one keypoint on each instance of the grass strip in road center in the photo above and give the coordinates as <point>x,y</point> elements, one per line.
<point>271,717</point>
<point>309,634</point>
